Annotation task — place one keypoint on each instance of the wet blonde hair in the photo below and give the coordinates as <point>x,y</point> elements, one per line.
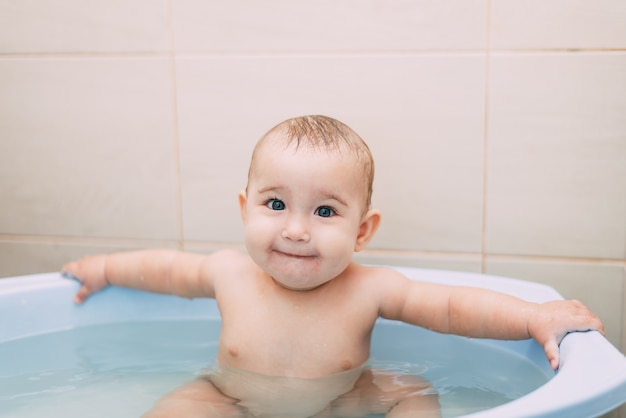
<point>326,134</point>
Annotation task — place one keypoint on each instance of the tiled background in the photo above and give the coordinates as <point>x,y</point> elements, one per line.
<point>498,127</point>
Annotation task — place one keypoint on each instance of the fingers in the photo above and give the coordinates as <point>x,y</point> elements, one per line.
<point>89,282</point>
<point>552,320</point>
<point>71,270</point>
<point>552,353</point>
<point>586,320</point>
<point>90,272</point>
<point>82,295</point>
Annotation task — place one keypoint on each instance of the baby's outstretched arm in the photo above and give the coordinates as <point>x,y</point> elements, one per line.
<point>482,313</point>
<point>159,271</point>
<point>486,314</point>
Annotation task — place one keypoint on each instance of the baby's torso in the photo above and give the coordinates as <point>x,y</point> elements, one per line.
<point>273,331</point>
<point>276,396</point>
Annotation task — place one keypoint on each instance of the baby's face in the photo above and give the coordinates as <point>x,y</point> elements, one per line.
<point>302,213</point>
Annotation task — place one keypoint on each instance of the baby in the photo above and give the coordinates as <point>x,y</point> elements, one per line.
<point>297,308</point>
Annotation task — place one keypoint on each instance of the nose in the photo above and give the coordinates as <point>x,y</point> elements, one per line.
<point>296,229</point>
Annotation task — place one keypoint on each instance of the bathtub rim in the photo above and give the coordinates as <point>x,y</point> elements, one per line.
<point>591,380</point>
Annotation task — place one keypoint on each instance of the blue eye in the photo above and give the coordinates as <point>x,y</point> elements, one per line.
<point>325,212</point>
<point>275,204</point>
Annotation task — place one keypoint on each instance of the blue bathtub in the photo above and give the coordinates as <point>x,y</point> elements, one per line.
<point>590,381</point>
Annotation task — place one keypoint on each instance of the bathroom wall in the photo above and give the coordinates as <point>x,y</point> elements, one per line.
<point>498,127</point>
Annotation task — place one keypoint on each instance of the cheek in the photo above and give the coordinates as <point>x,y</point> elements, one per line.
<point>337,249</point>
<point>338,241</point>
<point>259,230</point>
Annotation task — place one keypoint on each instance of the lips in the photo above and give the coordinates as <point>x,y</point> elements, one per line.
<point>294,254</point>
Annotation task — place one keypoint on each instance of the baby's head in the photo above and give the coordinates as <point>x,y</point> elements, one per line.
<point>322,134</point>
<point>306,208</point>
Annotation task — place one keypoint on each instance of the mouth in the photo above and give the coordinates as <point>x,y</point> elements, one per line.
<point>295,255</point>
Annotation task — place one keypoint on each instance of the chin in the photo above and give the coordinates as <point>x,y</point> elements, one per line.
<point>298,288</point>
<point>298,284</point>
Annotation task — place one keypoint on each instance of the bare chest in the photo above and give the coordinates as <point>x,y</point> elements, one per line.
<point>299,336</point>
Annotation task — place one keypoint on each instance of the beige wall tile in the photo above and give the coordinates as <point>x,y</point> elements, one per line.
<point>563,24</point>
<point>557,155</point>
<point>46,26</point>
<point>599,286</point>
<point>345,25</point>
<point>422,116</point>
<point>87,148</point>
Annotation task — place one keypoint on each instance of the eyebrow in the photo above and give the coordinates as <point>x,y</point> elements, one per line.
<point>270,189</point>
<point>337,198</point>
<point>325,195</point>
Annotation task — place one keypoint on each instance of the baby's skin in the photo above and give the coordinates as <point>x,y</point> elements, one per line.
<point>355,393</point>
<point>274,331</point>
<point>296,305</point>
<point>319,335</point>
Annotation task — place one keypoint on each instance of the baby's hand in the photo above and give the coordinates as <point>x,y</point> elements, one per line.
<point>90,272</point>
<point>550,321</point>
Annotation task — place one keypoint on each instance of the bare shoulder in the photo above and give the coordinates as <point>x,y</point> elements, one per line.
<point>385,282</point>
<point>228,265</point>
<point>396,291</point>
<point>226,262</point>
<point>228,255</point>
<point>381,275</point>
<point>198,275</point>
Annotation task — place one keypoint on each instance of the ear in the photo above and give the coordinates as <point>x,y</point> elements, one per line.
<point>369,225</point>
<point>242,205</point>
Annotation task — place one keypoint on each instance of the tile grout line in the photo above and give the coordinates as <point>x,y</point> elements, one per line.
<point>59,240</point>
<point>625,257</point>
<point>147,242</point>
<point>558,259</point>
<point>310,54</point>
<point>426,254</point>
<point>623,318</point>
<point>483,237</point>
<point>176,132</point>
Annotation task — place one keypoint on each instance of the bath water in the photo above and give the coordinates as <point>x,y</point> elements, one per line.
<point>121,369</point>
